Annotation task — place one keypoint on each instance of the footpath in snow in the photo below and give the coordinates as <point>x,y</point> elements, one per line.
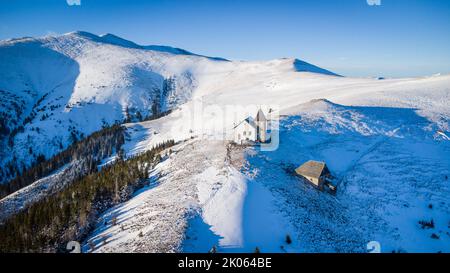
<point>237,215</point>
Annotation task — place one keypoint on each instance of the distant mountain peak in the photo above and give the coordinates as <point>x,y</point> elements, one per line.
<point>302,66</point>
<point>83,34</point>
<point>113,39</point>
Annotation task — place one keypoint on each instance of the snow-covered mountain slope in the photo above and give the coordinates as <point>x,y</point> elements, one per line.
<point>196,200</point>
<point>57,89</point>
<point>156,218</point>
<point>391,171</point>
<point>40,189</point>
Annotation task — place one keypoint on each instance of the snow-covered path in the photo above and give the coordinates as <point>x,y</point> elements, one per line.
<point>240,222</point>
<point>240,214</point>
<point>264,225</point>
<point>252,222</point>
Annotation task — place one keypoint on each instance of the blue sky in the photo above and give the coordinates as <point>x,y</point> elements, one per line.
<point>398,38</point>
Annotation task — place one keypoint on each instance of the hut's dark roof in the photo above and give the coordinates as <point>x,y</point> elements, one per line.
<point>311,168</point>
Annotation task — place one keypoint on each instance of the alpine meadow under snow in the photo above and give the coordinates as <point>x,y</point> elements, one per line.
<point>386,142</point>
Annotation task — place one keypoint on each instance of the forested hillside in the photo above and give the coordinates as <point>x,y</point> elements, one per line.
<point>92,149</point>
<point>47,225</point>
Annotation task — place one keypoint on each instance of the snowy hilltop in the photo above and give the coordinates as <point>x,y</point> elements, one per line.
<point>386,143</point>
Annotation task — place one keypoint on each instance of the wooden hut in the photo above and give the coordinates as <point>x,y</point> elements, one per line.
<point>315,172</point>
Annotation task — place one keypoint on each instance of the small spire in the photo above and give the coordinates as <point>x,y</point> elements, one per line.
<point>260,116</point>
